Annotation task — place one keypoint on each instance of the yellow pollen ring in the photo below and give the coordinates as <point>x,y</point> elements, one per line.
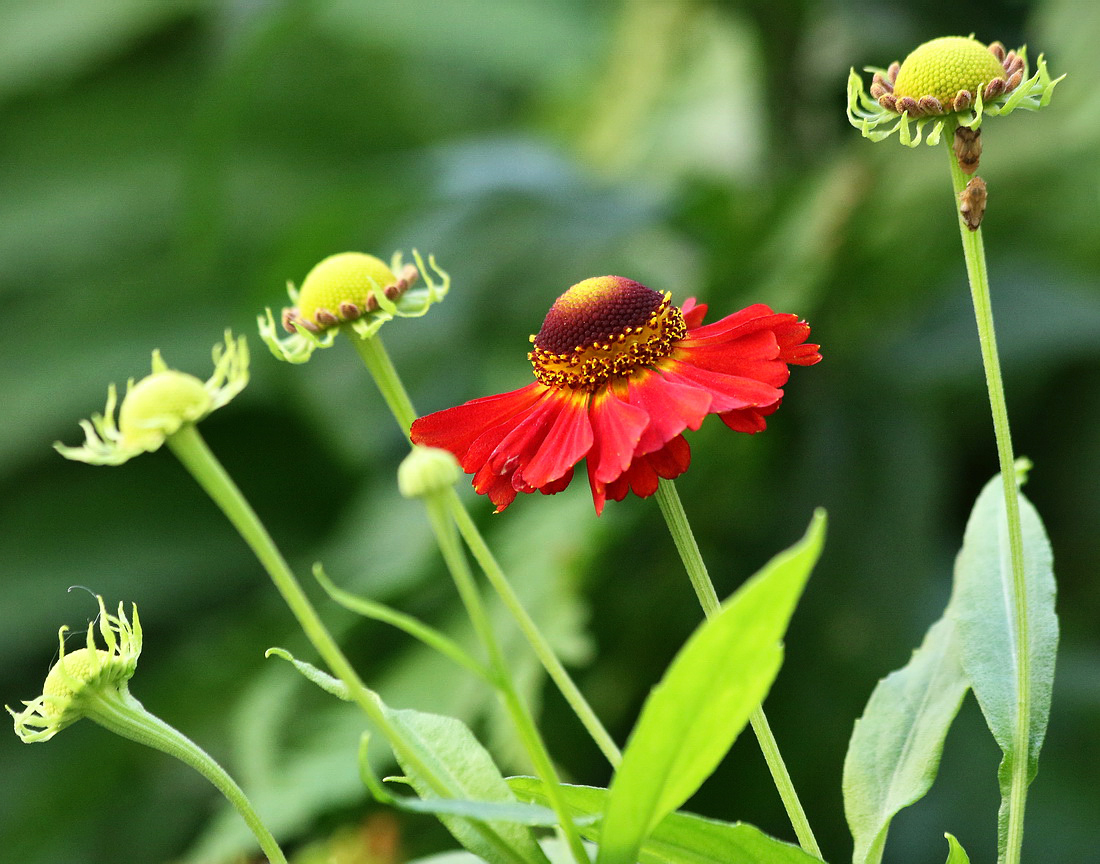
<point>587,367</point>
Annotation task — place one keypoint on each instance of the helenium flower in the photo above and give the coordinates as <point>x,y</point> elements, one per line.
<point>951,79</point>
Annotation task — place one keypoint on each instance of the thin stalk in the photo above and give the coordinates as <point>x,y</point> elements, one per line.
<point>119,712</point>
<point>190,448</point>
<point>385,375</point>
<point>974,253</point>
<point>538,642</point>
<point>682,536</point>
<point>456,562</point>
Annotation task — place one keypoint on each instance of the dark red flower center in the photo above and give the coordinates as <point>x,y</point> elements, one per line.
<point>601,328</point>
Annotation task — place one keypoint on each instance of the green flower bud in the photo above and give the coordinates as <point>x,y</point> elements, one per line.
<point>83,678</point>
<point>159,405</point>
<point>354,291</point>
<point>953,79</point>
<point>427,470</point>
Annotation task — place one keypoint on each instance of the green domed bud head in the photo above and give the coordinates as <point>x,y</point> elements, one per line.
<point>342,288</point>
<point>427,470</point>
<point>81,681</point>
<point>158,405</point>
<point>942,68</point>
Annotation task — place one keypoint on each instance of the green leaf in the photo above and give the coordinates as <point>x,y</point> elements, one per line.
<point>896,745</point>
<point>450,749</point>
<point>985,622</point>
<point>483,811</point>
<point>679,838</point>
<point>955,852</point>
<point>713,685</point>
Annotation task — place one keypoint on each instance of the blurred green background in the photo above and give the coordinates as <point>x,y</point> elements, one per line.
<point>166,167</point>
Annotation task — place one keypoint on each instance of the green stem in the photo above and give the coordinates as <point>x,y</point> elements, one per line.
<point>539,643</point>
<point>200,462</point>
<point>974,253</point>
<point>119,712</point>
<point>393,391</point>
<point>682,536</point>
<point>456,562</point>
<point>381,368</point>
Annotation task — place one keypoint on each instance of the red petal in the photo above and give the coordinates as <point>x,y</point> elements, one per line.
<point>565,444</point>
<point>673,459</point>
<point>456,429</point>
<point>693,313</point>
<point>728,392</point>
<point>618,426</point>
<point>672,406</point>
<point>750,420</point>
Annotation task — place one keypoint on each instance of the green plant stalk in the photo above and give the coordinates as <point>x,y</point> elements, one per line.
<point>385,375</point>
<point>974,253</point>
<point>532,741</point>
<point>192,451</point>
<point>682,536</point>
<point>118,711</point>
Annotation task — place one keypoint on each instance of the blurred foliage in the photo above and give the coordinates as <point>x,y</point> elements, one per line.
<point>166,167</point>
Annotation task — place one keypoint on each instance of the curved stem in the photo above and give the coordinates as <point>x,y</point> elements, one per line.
<point>682,536</point>
<point>974,253</point>
<point>385,376</point>
<point>471,598</point>
<point>119,712</point>
<point>192,451</point>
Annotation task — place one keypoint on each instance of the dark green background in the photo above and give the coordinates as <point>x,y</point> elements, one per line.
<point>165,168</point>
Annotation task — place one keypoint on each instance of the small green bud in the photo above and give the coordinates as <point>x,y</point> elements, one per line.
<point>81,677</point>
<point>158,405</point>
<point>427,470</point>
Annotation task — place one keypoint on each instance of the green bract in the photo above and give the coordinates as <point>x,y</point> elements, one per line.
<point>158,406</point>
<point>354,290</point>
<point>82,675</point>
<point>953,79</point>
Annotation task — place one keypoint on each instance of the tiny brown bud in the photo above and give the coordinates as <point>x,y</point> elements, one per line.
<point>349,311</point>
<point>1014,80</point>
<point>972,203</point>
<point>325,317</point>
<point>968,148</point>
<point>963,100</point>
<point>907,103</point>
<point>888,101</point>
<point>930,105</point>
<point>994,89</point>
<point>998,51</point>
<point>892,72</point>
<point>289,315</point>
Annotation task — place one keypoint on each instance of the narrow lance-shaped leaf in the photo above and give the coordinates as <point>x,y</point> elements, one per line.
<point>896,745</point>
<point>679,838</point>
<point>955,852</point>
<point>692,718</point>
<point>985,620</point>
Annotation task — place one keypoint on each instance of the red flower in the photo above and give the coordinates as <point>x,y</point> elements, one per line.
<point>621,373</point>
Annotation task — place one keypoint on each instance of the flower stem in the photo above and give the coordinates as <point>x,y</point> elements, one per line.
<point>117,711</point>
<point>381,368</point>
<point>393,391</point>
<point>974,253</point>
<point>456,562</point>
<point>539,643</point>
<point>682,536</point>
<point>190,448</point>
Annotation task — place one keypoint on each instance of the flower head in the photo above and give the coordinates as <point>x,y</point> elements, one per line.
<point>159,405</point>
<point>83,675</point>
<point>620,374</point>
<point>953,78</point>
<point>354,290</point>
